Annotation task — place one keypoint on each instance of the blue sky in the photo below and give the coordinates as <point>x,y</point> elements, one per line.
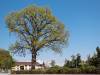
<point>81,17</point>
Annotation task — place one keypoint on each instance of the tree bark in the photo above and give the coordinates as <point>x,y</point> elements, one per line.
<point>33,61</point>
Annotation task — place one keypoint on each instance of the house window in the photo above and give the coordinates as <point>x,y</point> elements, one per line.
<point>21,67</point>
<point>25,65</point>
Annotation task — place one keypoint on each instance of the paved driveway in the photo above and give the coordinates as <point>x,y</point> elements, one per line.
<point>4,74</point>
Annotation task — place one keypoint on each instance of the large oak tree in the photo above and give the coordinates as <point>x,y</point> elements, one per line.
<point>36,28</point>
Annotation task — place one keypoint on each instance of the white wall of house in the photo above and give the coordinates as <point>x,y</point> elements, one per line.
<point>26,67</point>
<point>16,68</point>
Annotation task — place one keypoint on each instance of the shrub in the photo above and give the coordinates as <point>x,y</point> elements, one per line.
<point>54,70</point>
<point>75,70</point>
<point>38,71</point>
<point>67,70</point>
<point>88,69</point>
<point>62,70</point>
<point>98,70</point>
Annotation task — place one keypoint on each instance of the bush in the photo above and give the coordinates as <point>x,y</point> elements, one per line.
<point>88,69</point>
<point>38,71</point>
<point>75,70</point>
<point>62,70</point>
<point>66,70</point>
<point>98,70</point>
<point>54,70</point>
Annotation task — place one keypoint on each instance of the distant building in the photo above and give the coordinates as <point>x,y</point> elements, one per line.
<point>19,66</point>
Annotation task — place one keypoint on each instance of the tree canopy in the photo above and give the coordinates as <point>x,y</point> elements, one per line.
<point>36,28</point>
<point>95,59</point>
<point>75,62</point>
<point>6,60</point>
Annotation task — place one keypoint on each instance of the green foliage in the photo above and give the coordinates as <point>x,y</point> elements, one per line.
<point>83,67</point>
<point>6,61</point>
<point>66,70</point>
<point>36,28</point>
<point>61,70</point>
<point>74,62</point>
<point>98,56</point>
<point>95,59</point>
<point>53,63</point>
<point>92,60</point>
<point>78,60</point>
<point>54,70</point>
<point>38,71</point>
<point>88,69</point>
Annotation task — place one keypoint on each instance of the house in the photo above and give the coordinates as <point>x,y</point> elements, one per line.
<point>19,66</point>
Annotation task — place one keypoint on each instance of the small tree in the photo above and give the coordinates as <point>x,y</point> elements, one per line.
<point>73,61</point>
<point>53,63</point>
<point>36,28</point>
<point>6,60</point>
<point>98,56</point>
<point>67,63</point>
<point>78,60</point>
<point>95,59</point>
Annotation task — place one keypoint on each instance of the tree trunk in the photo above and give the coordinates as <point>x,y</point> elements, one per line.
<point>33,61</point>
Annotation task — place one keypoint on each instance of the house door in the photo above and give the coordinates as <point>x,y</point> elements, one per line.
<point>21,67</point>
